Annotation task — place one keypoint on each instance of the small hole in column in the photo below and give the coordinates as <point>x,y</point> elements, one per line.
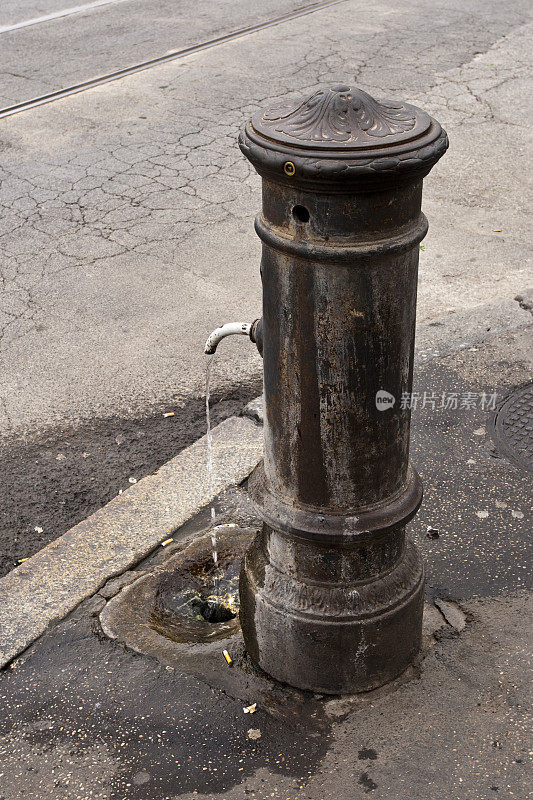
<point>300,213</point>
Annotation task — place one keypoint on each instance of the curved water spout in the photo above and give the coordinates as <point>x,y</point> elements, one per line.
<point>251,329</point>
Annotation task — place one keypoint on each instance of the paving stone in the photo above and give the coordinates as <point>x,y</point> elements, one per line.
<point>432,620</point>
<point>255,409</point>
<point>113,586</point>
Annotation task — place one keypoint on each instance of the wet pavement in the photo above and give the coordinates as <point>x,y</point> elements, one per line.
<point>479,503</point>
<point>56,480</point>
<point>84,716</point>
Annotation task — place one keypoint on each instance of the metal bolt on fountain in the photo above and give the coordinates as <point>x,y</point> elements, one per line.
<point>331,590</point>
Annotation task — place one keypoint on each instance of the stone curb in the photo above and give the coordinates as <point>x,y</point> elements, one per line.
<point>51,583</point>
<point>453,332</point>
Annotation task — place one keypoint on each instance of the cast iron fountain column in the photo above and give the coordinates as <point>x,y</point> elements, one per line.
<point>332,590</point>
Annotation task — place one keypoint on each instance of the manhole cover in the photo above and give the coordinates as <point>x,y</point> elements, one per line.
<point>513,428</point>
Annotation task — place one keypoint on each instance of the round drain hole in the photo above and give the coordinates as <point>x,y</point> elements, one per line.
<point>512,428</point>
<point>300,213</point>
<point>213,610</point>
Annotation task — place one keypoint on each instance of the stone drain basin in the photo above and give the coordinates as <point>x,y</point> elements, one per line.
<point>196,603</point>
<point>181,611</point>
<point>163,613</point>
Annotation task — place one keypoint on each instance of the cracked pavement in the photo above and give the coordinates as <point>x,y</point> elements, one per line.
<point>109,37</point>
<point>126,233</point>
<point>126,214</point>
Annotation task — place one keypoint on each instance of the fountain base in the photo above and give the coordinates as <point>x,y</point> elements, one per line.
<point>329,636</point>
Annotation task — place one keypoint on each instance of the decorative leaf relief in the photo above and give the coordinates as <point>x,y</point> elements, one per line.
<point>340,114</point>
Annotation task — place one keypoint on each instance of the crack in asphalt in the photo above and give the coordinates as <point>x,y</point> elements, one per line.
<point>139,196</point>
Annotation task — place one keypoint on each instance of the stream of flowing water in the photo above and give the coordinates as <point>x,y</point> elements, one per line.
<point>210,463</point>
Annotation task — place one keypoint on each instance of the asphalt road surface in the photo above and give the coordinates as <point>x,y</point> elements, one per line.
<point>55,52</point>
<point>126,214</point>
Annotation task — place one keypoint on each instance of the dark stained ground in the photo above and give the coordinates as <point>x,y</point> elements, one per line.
<point>479,502</point>
<point>59,479</point>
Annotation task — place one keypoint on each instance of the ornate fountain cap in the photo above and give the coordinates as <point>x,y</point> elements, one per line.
<point>342,135</point>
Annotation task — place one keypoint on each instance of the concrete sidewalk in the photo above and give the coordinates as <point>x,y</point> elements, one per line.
<point>86,717</point>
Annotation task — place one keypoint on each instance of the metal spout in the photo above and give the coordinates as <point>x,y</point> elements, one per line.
<point>252,329</point>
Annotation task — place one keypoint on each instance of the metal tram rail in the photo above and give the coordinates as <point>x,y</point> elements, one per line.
<point>173,55</point>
